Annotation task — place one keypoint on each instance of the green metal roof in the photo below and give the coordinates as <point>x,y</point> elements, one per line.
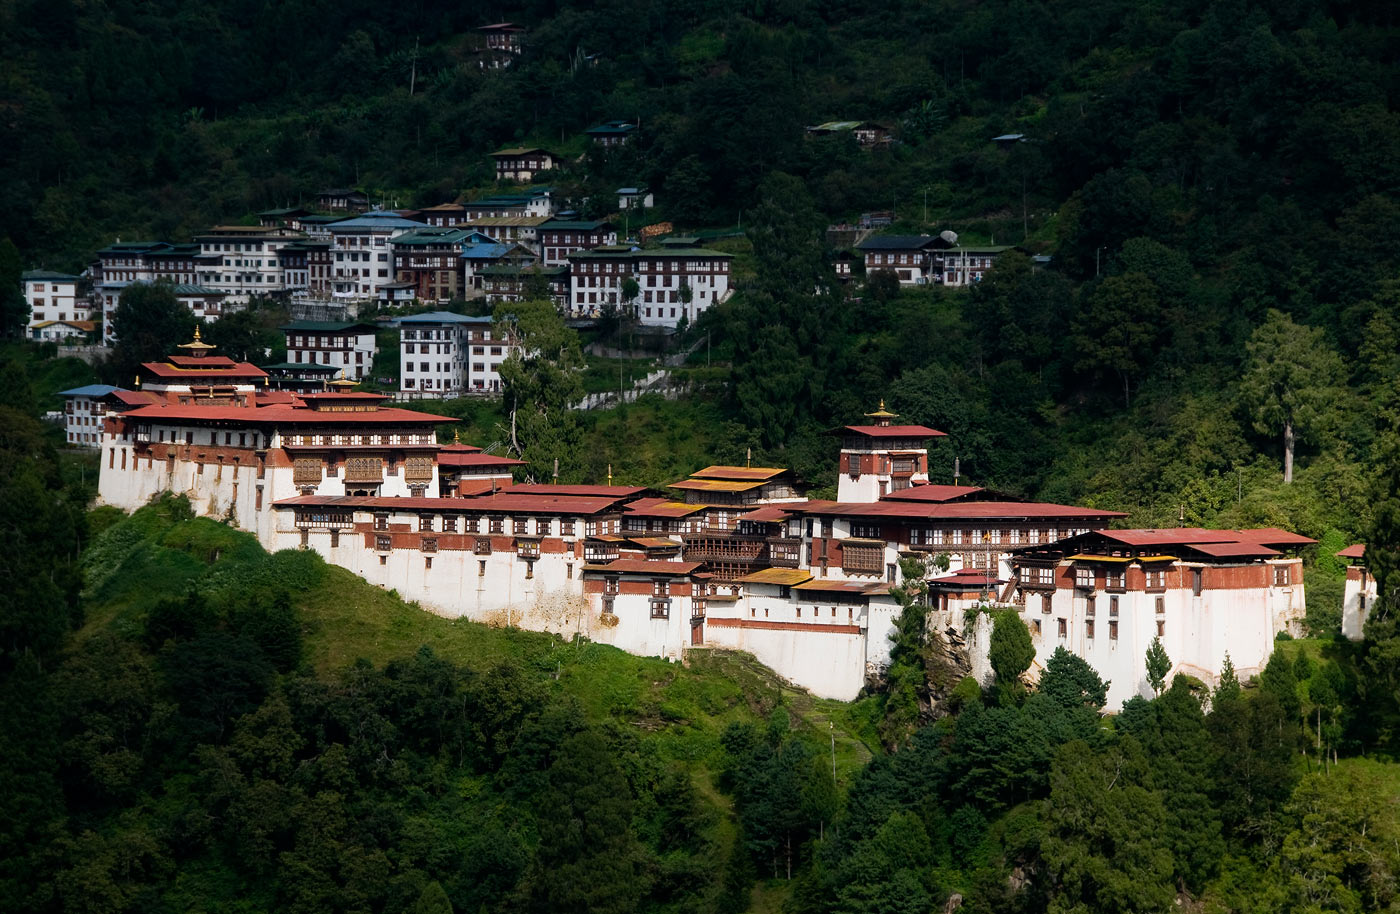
<point>577,225</point>
<point>301,366</point>
<point>326,326</point>
<point>616,251</point>
<point>508,270</point>
<point>44,275</point>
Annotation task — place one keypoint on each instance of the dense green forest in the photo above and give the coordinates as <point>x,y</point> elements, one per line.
<point>190,724</point>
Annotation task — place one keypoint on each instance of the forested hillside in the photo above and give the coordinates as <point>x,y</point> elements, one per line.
<point>188,724</point>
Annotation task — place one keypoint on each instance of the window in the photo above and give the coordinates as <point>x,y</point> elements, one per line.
<point>1161,628</point>
<point>865,531</point>
<point>1089,629</point>
<point>381,522</point>
<point>1281,576</point>
<point>1161,606</point>
<point>425,523</point>
<point>1156,580</point>
<point>1084,577</point>
<point>1113,607</point>
<point>449,524</point>
<point>382,543</point>
<point>1197,581</point>
<point>430,544</point>
<point>1113,630</point>
<point>1035,627</point>
<point>862,559</point>
<point>1089,606</point>
<point>1064,627</point>
<point>1114,580</point>
<point>481,568</point>
<point>497,524</point>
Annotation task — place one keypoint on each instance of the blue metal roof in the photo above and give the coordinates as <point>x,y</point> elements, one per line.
<point>90,390</point>
<point>443,317</point>
<point>485,251</point>
<point>377,219</point>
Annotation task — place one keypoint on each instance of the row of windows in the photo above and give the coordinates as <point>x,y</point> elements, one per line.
<point>495,524</point>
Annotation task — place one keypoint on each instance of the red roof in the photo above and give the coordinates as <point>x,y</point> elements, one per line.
<point>957,510</point>
<point>342,395</point>
<point>1191,536</point>
<point>457,459</point>
<point>458,447</point>
<point>768,514</point>
<point>655,542</point>
<point>932,493</point>
<point>208,361</point>
<point>890,431</point>
<point>480,485</point>
<point>1357,551</point>
<point>540,488</point>
<point>1233,550</point>
<point>966,579</point>
<point>285,415</point>
<point>222,370</point>
<point>504,502</point>
<point>646,566</point>
<point>135,397</point>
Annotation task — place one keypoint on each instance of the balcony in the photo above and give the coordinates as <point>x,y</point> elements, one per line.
<point>724,548</point>
<point>784,552</point>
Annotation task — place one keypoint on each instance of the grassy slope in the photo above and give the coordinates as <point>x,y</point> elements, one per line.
<point>155,553</point>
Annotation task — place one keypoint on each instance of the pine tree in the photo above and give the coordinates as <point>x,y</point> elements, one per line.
<point>1228,688</point>
<point>1158,666</point>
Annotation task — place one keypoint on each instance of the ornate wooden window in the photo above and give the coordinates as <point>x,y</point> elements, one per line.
<point>382,543</point>
<point>430,544</point>
<point>449,523</point>
<point>529,549</point>
<point>418,469</point>
<point>364,469</point>
<point>306,471</point>
<point>482,546</point>
<point>381,522</point>
<point>862,559</point>
<point>497,524</point>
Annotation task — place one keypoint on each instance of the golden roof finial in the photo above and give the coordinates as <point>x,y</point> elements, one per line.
<point>882,415</point>
<point>456,435</point>
<point>196,333</point>
<point>609,474</point>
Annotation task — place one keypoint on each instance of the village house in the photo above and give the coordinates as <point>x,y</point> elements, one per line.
<point>665,277</point>
<point>534,201</point>
<point>558,238</point>
<point>301,377</point>
<point>963,265</point>
<point>54,297</point>
<point>867,133</point>
<point>479,251</point>
<point>611,133</point>
<point>71,332</point>
<point>242,261</point>
<point>85,408</point>
<point>521,164</point>
<point>445,355</point>
<point>295,262</point>
<point>286,217</point>
<point>360,255</point>
<point>120,264</point>
<point>443,215</point>
<point>429,260</point>
<point>909,257</point>
<point>634,198</point>
<point>521,230</point>
<point>515,282</point>
<point>500,44</point>
<point>342,200</point>
<point>348,347</point>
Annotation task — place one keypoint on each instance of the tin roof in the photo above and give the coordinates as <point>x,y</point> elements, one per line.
<point>890,431</point>
<point>1356,551</point>
<point>715,485</point>
<point>646,566</point>
<point>781,576</point>
<point>738,473</point>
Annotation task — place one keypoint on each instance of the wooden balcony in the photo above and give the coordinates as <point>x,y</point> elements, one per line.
<point>724,548</point>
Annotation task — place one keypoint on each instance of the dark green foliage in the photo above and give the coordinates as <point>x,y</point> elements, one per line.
<point>1071,682</point>
<point>14,310</point>
<point>1158,665</point>
<point>1010,654</point>
<point>149,323</point>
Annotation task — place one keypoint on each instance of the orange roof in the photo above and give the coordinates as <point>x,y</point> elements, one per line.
<point>767,514</point>
<point>646,566</point>
<point>890,431</point>
<point>230,370</point>
<point>782,576</point>
<point>738,473</point>
<point>541,488</point>
<point>1357,551</point>
<point>655,542</point>
<point>715,485</point>
<point>932,492</point>
<point>661,507</point>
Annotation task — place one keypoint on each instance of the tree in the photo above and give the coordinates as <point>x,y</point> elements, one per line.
<point>1379,683</point>
<point>1279,680</point>
<point>1158,666</point>
<point>149,323</point>
<point>1010,652</point>
<point>1228,688</point>
<point>1116,328</point>
<point>540,382</point>
<point>1291,383</point>
<point>1072,682</point>
<point>1104,848</point>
